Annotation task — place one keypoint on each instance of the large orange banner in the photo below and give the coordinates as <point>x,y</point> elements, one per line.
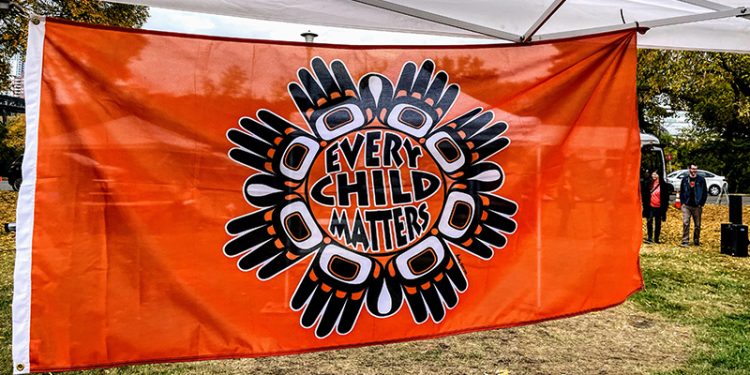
<point>193,198</point>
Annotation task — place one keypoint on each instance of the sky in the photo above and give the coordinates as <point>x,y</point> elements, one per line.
<point>208,24</point>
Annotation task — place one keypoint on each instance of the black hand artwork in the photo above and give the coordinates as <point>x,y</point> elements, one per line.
<point>476,220</point>
<point>333,289</point>
<point>274,146</point>
<point>274,238</point>
<point>466,140</point>
<point>329,100</point>
<point>420,100</point>
<point>431,278</point>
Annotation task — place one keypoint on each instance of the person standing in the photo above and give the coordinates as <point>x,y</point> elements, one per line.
<point>693,195</point>
<point>655,201</point>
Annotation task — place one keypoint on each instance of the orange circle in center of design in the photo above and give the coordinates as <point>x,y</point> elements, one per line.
<point>375,191</point>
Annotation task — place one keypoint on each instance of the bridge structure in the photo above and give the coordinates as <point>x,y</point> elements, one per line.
<point>10,105</point>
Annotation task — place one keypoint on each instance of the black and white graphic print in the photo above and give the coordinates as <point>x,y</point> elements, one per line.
<point>379,191</point>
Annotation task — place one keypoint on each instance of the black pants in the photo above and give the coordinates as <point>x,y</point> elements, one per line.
<point>653,216</point>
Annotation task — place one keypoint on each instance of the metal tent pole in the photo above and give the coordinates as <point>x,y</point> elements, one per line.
<point>542,20</point>
<point>733,12</point>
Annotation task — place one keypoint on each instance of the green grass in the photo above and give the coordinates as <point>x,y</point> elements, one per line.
<point>709,292</point>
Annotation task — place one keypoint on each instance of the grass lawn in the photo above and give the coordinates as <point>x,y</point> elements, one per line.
<point>703,289</point>
<point>692,318</point>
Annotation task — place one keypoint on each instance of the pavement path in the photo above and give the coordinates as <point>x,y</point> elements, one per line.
<point>715,200</point>
<point>725,201</point>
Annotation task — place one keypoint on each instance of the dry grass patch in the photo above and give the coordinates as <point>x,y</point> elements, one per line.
<point>621,340</point>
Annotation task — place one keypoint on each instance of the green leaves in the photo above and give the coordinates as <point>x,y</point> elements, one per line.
<point>11,141</point>
<point>714,89</point>
<point>13,24</point>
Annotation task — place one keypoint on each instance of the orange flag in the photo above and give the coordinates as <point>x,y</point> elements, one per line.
<point>192,198</point>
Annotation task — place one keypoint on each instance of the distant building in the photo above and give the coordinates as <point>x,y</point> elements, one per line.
<point>16,86</point>
<point>676,123</point>
<point>17,64</point>
<point>17,73</point>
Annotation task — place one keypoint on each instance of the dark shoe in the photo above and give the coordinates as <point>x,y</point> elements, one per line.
<point>696,243</point>
<point>648,240</point>
<point>657,241</point>
<point>684,244</point>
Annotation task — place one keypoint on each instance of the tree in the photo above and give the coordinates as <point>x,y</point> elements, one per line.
<point>11,141</point>
<point>13,24</point>
<point>714,90</point>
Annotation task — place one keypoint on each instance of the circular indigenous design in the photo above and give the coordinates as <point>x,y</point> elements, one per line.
<point>377,189</point>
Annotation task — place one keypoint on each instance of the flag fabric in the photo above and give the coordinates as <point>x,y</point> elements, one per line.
<point>190,197</point>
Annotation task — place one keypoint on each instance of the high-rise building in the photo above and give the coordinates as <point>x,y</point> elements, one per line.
<point>17,71</point>
<point>17,86</point>
<point>17,66</point>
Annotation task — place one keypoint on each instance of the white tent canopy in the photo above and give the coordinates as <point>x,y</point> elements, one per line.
<point>721,25</point>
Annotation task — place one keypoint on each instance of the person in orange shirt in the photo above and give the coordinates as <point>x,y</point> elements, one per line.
<point>655,198</point>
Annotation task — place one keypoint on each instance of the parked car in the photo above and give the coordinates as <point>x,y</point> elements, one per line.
<point>14,173</point>
<point>713,181</point>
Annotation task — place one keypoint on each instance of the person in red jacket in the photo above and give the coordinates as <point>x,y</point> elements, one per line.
<point>655,198</point>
